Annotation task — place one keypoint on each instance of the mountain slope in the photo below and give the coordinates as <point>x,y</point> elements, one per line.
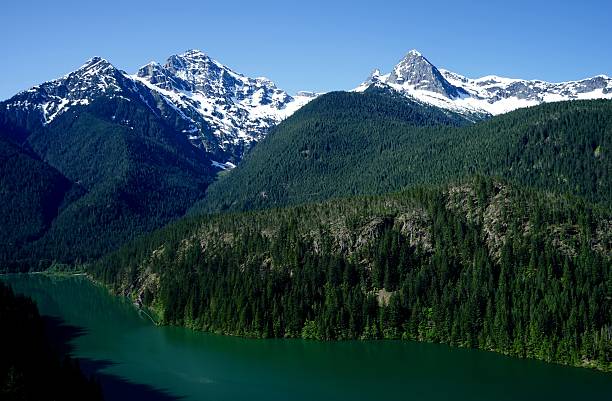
<point>227,111</point>
<point>416,77</point>
<point>149,180</point>
<point>339,146</point>
<point>137,150</point>
<point>321,151</point>
<point>135,171</point>
<point>217,109</point>
<point>480,264</point>
<point>31,193</point>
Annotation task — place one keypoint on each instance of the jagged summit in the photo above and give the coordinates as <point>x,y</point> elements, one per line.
<point>194,53</point>
<point>218,109</point>
<point>95,69</point>
<point>374,75</point>
<point>221,105</point>
<point>413,59</point>
<point>97,77</point>
<point>187,59</point>
<point>97,60</point>
<point>415,76</point>
<point>417,72</point>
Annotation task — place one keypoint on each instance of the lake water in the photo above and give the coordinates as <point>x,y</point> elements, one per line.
<point>136,360</point>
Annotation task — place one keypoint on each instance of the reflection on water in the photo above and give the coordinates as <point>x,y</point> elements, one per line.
<point>63,299</point>
<point>140,361</point>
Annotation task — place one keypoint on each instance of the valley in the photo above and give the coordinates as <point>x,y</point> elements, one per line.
<point>457,221</point>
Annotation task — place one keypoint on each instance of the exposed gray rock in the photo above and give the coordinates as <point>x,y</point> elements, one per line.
<point>220,111</point>
<point>416,77</point>
<point>417,71</point>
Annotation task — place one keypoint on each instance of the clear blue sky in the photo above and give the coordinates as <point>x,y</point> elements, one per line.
<point>313,45</point>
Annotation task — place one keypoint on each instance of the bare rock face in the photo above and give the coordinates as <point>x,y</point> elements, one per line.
<point>371,231</point>
<point>416,227</point>
<point>227,110</point>
<point>417,71</point>
<point>476,98</point>
<point>495,213</point>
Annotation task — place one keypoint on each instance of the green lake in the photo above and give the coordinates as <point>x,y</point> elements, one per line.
<point>136,360</point>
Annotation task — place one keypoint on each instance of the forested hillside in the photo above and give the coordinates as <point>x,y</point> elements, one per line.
<point>342,144</point>
<point>121,171</point>
<point>31,194</point>
<point>481,264</point>
<point>516,260</point>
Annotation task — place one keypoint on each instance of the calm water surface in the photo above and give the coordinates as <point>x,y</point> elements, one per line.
<point>134,358</point>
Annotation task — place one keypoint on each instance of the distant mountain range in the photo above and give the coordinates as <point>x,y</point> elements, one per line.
<point>415,76</point>
<point>224,113</point>
<point>217,109</point>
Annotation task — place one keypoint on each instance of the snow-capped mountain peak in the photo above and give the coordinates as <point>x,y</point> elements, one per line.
<point>218,109</point>
<point>415,76</point>
<point>160,76</point>
<point>97,77</point>
<point>414,71</point>
<point>224,107</point>
<point>95,65</point>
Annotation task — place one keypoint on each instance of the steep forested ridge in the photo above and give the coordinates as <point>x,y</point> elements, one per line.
<point>29,367</point>
<point>340,145</point>
<point>31,194</point>
<point>127,170</point>
<point>482,264</point>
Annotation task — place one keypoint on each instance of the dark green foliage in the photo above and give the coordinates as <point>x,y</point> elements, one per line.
<point>520,265</point>
<point>130,173</point>
<point>31,194</point>
<point>29,368</point>
<point>343,144</point>
<point>482,264</point>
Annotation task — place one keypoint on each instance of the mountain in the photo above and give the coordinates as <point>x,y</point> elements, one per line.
<point>328,148</point>
<point>215,108</point>
<point>226,111</point>
<point>36,108</point>
<point>415,76</point>
<point>32,194</point>
<point>344,144</point>
<point>479,263</point>
<point>99,156</point>
<point>111,165</point>
<point>500,239</point>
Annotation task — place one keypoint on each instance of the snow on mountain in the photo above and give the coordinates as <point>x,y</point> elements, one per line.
<point>95,78</point>
<point>225,113</point>
<point>416,77</point>
<point>237,109</point>
<point>219,110</point>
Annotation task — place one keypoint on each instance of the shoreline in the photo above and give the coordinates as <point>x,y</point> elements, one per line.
<point>141,309</point>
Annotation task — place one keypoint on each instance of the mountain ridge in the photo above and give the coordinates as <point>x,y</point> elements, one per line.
<point>415,76</point>
<point>341,144</point>
<point>225,113</point>
<point>217,109</point>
